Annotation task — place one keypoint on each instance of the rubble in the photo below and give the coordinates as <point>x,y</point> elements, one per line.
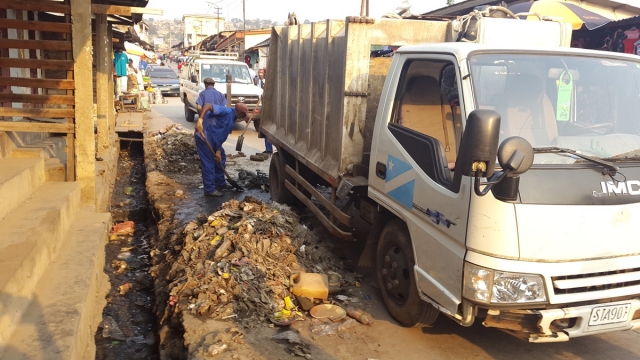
<point>258,180</point>
<point>237,263</point>
<point>177,151</point>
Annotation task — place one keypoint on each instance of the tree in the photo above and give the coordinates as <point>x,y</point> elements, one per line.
<point>450,2</point>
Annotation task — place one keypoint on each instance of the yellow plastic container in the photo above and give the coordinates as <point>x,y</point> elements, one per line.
<point>310,285</point>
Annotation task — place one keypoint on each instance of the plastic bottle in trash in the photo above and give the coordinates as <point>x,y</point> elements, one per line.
<point>362,316</point>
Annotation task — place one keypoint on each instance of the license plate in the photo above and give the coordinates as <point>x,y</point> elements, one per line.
<point>609,314</point>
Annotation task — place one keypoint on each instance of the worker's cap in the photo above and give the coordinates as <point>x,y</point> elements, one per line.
<point>209,81</point>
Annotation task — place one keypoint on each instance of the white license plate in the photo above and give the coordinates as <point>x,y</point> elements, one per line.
<point>609,314</point>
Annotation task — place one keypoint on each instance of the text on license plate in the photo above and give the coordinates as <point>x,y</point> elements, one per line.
<point>609,314</point>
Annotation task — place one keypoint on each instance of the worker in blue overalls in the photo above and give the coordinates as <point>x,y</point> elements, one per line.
<point>215,123</point>
<point>210,95</point>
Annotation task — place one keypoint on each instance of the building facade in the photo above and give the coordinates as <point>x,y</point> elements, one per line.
<point>199,27</point>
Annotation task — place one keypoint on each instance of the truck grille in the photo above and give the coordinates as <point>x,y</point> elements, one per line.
<point>249,100</point>
<point>572,284</point>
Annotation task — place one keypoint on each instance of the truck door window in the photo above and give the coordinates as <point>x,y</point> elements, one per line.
<point>425,114</point>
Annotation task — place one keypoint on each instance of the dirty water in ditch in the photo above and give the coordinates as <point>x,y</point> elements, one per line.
<point>128,329</point>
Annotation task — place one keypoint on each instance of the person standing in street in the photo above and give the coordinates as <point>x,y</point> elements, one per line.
<point>260,82</point>
<point>215,123</point>
<point>210,95</point>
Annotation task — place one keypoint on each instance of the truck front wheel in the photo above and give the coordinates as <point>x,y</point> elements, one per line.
<point>279,192</point>
<point>395,262</point>
<point>188,113</point>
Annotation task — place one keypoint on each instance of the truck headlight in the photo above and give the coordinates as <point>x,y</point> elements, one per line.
<point>500,287</point>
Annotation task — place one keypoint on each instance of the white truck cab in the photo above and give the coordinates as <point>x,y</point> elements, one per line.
<point>216,65</point>
<point>550,252</point>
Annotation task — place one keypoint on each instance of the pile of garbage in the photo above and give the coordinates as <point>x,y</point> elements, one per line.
<point>238,262</point>
<point>177,151</point>
<point>258,180</point>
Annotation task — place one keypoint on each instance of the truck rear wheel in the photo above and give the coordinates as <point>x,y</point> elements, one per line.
<point>395,262</point>
<point>188,113</point>
<point>277,174</point>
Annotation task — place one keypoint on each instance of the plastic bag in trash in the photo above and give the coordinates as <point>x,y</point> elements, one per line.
<point>110,329</point>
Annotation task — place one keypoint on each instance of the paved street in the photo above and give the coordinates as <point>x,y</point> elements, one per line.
<point>444,340</point>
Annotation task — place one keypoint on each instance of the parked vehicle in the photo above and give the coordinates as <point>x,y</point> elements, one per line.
<point>165,78</point>
<point>232,80</point>
<point>500,174</point>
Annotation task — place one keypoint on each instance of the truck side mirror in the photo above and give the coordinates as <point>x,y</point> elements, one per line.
<point>194,78</point>
<point>515,156</point>
<point>479,144</point>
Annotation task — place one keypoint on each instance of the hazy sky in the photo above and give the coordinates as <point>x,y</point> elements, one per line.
<point>277,10</point>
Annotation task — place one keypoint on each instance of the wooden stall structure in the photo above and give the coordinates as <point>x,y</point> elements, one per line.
<point>47,51</point>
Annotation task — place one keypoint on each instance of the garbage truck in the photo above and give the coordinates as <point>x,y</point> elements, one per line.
<point>498,167</point>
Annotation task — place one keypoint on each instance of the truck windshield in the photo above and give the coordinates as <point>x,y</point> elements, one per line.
<point>218,72</point>
<point>587,104</point>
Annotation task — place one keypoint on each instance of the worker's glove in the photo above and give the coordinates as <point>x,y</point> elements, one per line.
<point>199,127</point>
<point>218,156</point>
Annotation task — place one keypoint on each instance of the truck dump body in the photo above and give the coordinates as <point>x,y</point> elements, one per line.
<point>323,87</point>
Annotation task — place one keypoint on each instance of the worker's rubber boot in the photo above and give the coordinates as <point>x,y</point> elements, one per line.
<point>213,194</point>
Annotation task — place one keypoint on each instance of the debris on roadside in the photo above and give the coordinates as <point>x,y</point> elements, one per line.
<point>124,288</point>
<point>254,180</point>
<point>110,329</point>
<point>289,335</point>
<point>177,151</point>
<point>123,229</point>
<point>237,263</point>
<point>362,316</point>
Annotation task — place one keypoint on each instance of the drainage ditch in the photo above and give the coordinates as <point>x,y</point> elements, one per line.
<point>129,326</point>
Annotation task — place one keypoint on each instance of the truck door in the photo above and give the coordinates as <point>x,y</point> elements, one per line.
<point>413,160</point>
<point>193,93</point>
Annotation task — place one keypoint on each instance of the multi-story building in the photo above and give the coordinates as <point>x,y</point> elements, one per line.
<point>198,27</point>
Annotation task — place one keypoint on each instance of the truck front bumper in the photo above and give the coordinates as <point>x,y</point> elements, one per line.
<point>558,325</point>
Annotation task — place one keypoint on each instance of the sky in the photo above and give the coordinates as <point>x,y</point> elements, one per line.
<point>277,10</point>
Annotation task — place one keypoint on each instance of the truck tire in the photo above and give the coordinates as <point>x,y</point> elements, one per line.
<point>277,174</point>
<point>396,277</point>
<point>188,113</point>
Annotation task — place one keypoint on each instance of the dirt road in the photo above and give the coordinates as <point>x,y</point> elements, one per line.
<point>385,339</point>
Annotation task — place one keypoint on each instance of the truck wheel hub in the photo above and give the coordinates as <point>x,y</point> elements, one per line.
<point>396,274</point>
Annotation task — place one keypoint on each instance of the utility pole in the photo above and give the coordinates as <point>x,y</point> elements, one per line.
<point>244,29</point>
<point>218,11</point>
<point>364,8</point>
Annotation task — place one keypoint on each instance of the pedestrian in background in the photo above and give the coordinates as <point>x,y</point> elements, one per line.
<point>143,64</point>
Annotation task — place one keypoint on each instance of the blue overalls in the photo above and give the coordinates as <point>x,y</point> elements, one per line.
<point>217,127</point>
<point>211,96</point>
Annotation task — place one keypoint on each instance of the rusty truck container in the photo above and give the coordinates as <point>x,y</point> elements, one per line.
<point>323,88</point>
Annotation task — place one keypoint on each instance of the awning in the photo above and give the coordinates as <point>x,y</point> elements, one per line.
<point>137,50</point>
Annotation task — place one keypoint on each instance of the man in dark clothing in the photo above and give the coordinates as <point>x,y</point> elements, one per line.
<point>215,124</point>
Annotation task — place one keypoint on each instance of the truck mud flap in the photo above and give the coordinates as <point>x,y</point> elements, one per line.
<point>339,215</point>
